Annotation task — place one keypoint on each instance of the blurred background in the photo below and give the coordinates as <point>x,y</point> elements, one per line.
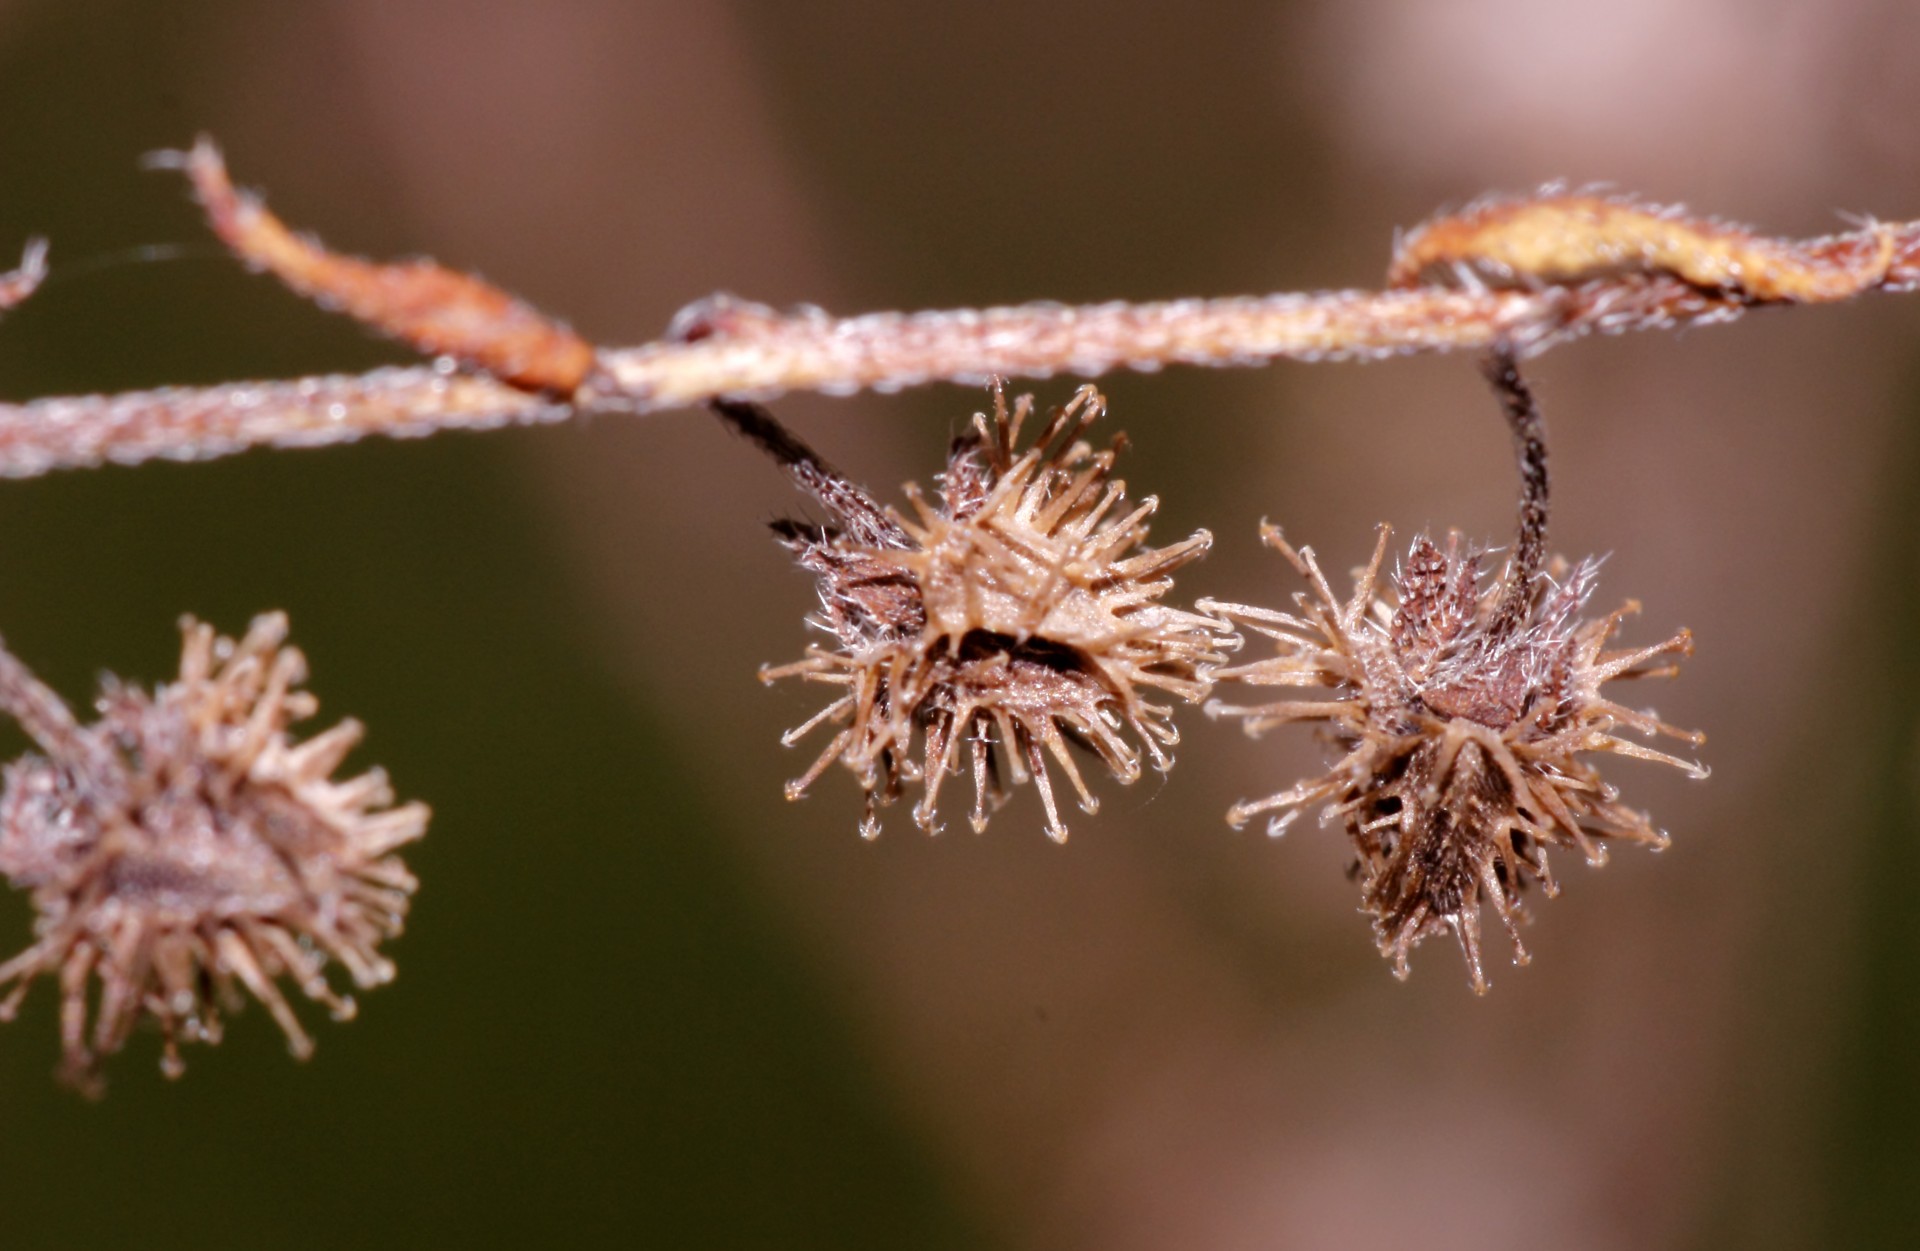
<point>643,1000</point>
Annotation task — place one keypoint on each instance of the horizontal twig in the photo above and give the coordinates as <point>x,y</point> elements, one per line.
<point>199,423</point>
<point>1523,275</point>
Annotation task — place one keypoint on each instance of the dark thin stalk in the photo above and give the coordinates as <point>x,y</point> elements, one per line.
<point>1530,446</point>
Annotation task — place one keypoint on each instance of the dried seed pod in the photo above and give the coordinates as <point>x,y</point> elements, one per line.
<point>1463,716</point>
<point>1018,615</point>
<point>183,847</point>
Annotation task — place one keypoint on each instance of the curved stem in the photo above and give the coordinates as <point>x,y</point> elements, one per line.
<point>1530,446</point>
<point>852,506</point>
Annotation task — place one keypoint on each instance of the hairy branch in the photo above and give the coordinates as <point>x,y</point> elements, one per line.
<point>199,423</point>
<point>1522,275</point>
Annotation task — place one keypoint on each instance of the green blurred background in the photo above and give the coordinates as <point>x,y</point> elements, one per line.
<point>642,1001</point>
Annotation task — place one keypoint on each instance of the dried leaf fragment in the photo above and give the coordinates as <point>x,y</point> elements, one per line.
<point>1562,240</point>
<point>19,283</point>
<point>432,308</point>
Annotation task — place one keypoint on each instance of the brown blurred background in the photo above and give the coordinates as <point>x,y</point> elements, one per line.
<point>643,1000</point>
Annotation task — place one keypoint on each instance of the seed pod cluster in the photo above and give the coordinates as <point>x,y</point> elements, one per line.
<point>1019,616</point>
<point>1464,716</point>
<point>184,848</point>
